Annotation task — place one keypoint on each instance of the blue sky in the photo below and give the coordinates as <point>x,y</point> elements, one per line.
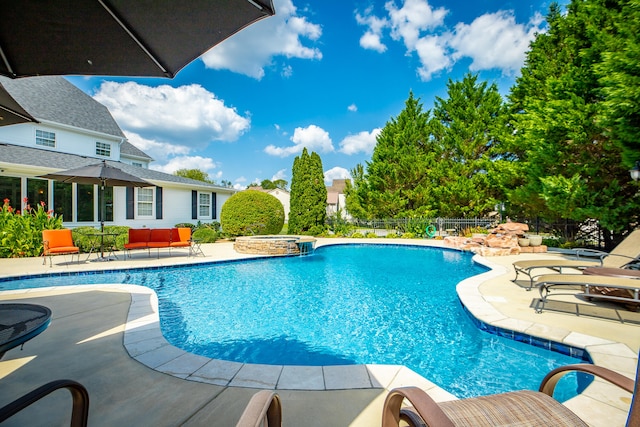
<point>323,75</point>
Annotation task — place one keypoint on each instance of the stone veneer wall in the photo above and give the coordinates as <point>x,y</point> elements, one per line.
<point>250,245</point>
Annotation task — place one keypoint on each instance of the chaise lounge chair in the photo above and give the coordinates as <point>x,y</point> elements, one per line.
<point>520,408</point>
<point>623,255</point>
<point>264,406</point>
<point>608,288</point>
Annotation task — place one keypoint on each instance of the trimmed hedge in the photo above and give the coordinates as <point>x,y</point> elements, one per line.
<point>251,212</point>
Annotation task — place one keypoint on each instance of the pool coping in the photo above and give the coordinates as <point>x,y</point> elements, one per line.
<point>144,342</point>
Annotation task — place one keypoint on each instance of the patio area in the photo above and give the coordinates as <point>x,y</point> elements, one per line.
<point>86,343</point>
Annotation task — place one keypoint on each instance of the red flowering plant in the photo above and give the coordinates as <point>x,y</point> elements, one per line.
<point>21,232</point>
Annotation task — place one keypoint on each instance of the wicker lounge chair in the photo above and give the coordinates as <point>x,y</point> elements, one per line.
<point>625,254</point>
<point>520,408</point>
<point>264,406</point>
<point>615,289</point>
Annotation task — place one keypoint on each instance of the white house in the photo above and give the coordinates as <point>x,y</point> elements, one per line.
<point>336,199</point>
<point>74,130</point>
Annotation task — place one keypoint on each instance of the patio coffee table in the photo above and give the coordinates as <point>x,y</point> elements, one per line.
<point>21,322</point>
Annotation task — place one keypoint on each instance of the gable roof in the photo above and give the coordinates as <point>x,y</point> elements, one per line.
<point>54,99</point>
<point>29,157</point>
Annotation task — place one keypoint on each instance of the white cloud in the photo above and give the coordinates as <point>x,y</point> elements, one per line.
<point>495,40</point>
<point>204,164</point>
<point>336,173</point>
<point>363,142</point>
<point>492,41</point>
<point>352,107</point>
<point>313,137</point>
<point>157,150</point>
<point>414,17</point>
<point>252,49</point>
<point>372,38</point>
<point>281,174</point>
<point>188,113</point>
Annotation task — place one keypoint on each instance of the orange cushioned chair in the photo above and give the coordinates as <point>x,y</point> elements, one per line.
<point>58,242</point>
<point>181,238</point>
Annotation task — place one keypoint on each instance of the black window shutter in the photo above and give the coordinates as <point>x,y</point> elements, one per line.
<point>213,206</point>
<point>158,202</point>
<point>194,204</point>
<point>130,203</point>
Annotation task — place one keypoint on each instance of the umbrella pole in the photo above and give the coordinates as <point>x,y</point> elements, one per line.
<point>102,214</point>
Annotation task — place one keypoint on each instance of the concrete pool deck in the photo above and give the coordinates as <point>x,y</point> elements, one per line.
<point>107,338</point>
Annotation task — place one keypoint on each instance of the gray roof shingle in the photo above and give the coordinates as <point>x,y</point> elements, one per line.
<point>54,99</point>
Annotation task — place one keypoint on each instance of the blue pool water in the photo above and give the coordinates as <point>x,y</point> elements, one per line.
<point>346,304</point>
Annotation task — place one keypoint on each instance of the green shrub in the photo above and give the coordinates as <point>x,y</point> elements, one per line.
<point>371,235</point>
<point>84,237</point>
<point>408,236</point>
<point>391,235</point>
<point>185,225</point>
<point>206,235</point>
<point>252,212</point>
<point>357,235</point>
<point>21,232</point>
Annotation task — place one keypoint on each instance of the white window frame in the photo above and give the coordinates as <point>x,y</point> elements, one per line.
<point>202,205</point>
<point>103,149</point>
<point>45,138</point>
<point>152,202</point>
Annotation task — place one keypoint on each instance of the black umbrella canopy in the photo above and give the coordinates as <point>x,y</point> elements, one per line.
<point>116,37</point>
<point>11,113</point>
<point>101,174</point>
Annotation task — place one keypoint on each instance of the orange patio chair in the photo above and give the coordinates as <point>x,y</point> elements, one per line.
<point>58,242</point>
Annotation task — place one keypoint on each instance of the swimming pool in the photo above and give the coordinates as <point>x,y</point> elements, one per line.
<point>346,304</point>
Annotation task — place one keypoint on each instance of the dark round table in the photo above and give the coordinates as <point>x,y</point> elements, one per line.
<point>21,322</point>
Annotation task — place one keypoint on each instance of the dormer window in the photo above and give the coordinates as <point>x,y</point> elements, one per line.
<point>103,149</point>
<point>46,139</point>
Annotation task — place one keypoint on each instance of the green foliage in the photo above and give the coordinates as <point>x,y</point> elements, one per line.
<point>371,235</point>
<point>575,117</point>
<point>440,165</point>
<point>251,213</point>
<point>408,236</point>
<point>84,237</point>
<point>185,225</point>
<point>338,225</point>
<point>391,235</point>
<point>308,202</point>
<point>195,174</point>
<point>206,235</point>
<point>357,235</point>
<point>21,232</point>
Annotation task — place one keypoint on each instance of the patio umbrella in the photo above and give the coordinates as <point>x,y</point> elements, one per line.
<point>103,175</point>
<point>11,113</point>
<point>117,37</point>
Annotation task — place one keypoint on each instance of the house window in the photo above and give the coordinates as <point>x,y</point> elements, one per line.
<point>63,200</point>
<point>46,139</point>
<point>85,202</point>
<point>204,205</point>
<point>103,149</point>
<point>10,188</point>
<point>145,202</point>
<point>137,164</point>
<point>37,192</point>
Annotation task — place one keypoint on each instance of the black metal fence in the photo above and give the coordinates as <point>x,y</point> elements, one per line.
<point>586,234</point>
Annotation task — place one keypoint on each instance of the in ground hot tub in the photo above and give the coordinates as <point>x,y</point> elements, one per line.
<point>274,245</point>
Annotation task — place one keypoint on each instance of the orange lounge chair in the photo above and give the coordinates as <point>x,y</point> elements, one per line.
<point>58,242</point>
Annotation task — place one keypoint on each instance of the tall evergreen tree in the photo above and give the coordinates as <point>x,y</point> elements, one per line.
<point>394,184</point>
<point>308,200</point>
<point>468,128</point>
